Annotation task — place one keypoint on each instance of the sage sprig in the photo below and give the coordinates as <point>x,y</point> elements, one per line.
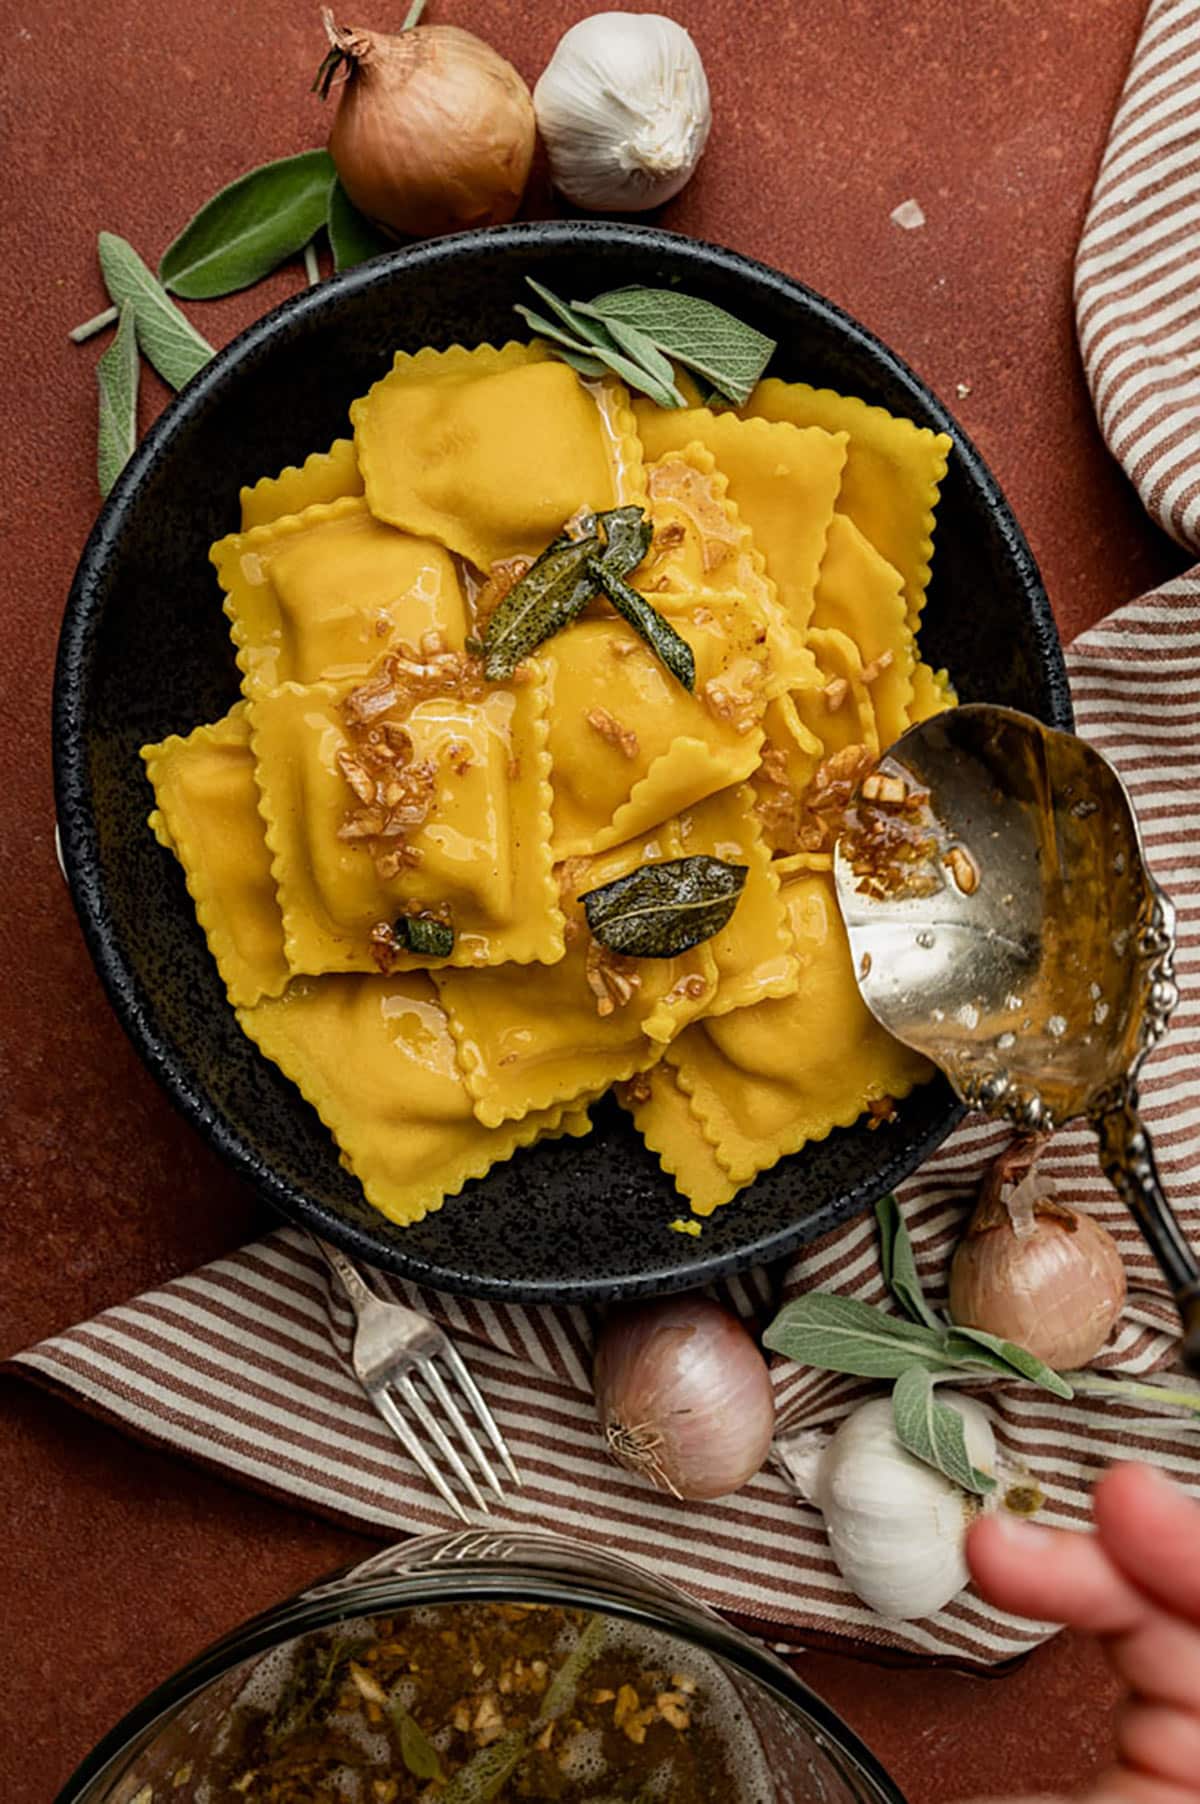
<point>635,332</point>
<point>250,227</point>
<point>117,378</point>
<point>168,338</point>
<point>668,646</point>
<point>934,1432</point>
<point>352,237</point>
<point>662,910</point>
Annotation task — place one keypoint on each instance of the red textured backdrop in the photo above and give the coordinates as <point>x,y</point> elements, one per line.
<point>119,1563</point>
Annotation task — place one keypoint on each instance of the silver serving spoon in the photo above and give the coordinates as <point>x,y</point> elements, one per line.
<point>1003,922</point>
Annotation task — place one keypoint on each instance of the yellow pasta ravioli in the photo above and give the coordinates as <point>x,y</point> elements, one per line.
<point>323,593</point>
<point>481,853</point>
<point>323,477</point>
<point>589,1021</point>
<point>755,954</point>
<point>489,451</point>
<point>860,595</point>
<point>374,1057</point>
<point>764,1081</point>
<point>663,1116</point>
<point>892,476</point>
<point>207,805</point>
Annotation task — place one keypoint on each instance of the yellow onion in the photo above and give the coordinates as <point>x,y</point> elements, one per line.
<point>684,1396</point>
<point>1035,1272</point>
<point>434,129</point>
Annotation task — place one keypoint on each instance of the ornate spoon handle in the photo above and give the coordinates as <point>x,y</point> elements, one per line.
<point>1127,1159</point>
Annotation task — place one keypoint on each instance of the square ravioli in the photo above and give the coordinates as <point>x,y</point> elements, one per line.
<point>755,952</point>
<point>383,801</point>
<point>783,480</point>
<point>591,1020</point>
<point>764,1081</point>
<point>490,451</point>
<point>860,595</point>
<point>630,746</point>
<point>325,476</point>
<point>662,1115</point>
<point>374,1057</point>
<point>207,814</point>
<point>893,473</point>
<point>321,594</point>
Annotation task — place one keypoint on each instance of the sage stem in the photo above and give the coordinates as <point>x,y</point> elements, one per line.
<point>312,268</point>
<point>413,15</point>
<point>80,334</point>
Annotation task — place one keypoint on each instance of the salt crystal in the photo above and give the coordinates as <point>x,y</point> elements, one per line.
<point>908,214</point>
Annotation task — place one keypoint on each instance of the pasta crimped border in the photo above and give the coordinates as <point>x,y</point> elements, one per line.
<point>225,554</point>
<point>290,491</point>
<point>663,1144</point>
<point>230,730</point>
<point>494,1147</point>
<point>771,385</point>
<point>759,853</point>
<point>723,770</point>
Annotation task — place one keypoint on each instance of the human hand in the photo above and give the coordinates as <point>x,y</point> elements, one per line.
<point>1135,1583</point>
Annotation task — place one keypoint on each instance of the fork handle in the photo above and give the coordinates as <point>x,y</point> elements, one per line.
<point>359,1292</point>
<point>1127,1157</point>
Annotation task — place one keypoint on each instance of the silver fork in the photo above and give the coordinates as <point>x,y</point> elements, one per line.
<point>391,1344</point>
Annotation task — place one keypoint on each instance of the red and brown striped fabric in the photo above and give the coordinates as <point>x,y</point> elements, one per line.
<point>1137,303</point>
<point>238,1364</point>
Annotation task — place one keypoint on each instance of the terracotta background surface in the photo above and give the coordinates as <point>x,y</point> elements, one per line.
<point>119,1563</point>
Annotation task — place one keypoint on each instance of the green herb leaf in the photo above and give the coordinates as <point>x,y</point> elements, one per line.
<point>250,227</point>
<point>556,588</point>
<point>572,349</point>
<point>117,379</point>
<point>559,1695</point>
<point>580,361</point>
<point>593,338</point>
<point>704,337</point>
<point>1162,1395</point>
<point>661,910</point>
<point>424,935</point>
<point>647,356</point>
<point>486,1772</point>
<point>1007,1358</point>
<point>627,538</point>
<point>935,1432</point>
<point>900,1266</point>
<point>353,238</point>
<point>659,634</point>
<point>841,1334</point>
<point>416,1750</point>
<point>168,338</point>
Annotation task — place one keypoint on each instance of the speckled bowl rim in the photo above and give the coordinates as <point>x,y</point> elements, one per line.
<point>80,844</point>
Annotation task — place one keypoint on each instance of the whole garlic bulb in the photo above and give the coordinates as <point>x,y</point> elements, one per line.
<point>896,1527</point>
<point>624,110</point>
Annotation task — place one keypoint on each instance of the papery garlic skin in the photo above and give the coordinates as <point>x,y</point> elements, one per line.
<point>897,1529</point>
<point>623,108</point>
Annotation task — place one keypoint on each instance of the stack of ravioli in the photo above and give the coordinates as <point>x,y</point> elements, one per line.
<point>791,550</point>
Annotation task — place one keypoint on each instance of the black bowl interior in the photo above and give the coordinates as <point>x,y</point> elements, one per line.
<point>145,652</point>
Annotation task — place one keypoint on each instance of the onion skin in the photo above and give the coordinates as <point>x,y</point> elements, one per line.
<point>434,130</point>
<point>684,1396</point>
<point>1056,1290</point>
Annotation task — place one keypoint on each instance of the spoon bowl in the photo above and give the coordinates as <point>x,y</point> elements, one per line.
<point>1003,921</point>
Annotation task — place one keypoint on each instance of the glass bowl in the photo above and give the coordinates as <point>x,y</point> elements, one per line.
<point>790,1747</point>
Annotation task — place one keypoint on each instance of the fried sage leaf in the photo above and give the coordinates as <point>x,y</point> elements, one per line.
<point>627,536</point>
<point>661,910</point>
<point>249,228</point>
<point>424,935</point>
<point>117,378</point>
<point>416,1750</point>
<point>659,634</point>
<point>554,589</point>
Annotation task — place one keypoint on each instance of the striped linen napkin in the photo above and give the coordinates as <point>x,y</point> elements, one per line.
<point>241,1364</point>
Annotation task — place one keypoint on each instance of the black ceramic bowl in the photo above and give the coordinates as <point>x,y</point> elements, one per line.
<point>145,652</point>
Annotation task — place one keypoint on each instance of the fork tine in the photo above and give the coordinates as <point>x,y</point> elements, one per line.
<point>448,1402</point>
<point>439,1437</point>
<point>483,1414</point>
<point>413,1447</point>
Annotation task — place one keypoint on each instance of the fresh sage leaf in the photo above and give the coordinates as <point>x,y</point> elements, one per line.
<point>661,910</point>
<point>935,1432</point>
<point>704,337</point>
<point>842,1334</point>
<point>249,228</point>
<point>556,588</point>
<point>424,935</point>
<point>593,339</point>
<point>487,1772</point>
<point>580,361</point>
<point>168,338</point>
<point>117,379</point>
<point>647,355</point>
<point>353,238</point>
<point>416,1750</point>
<point>666,644</point>
<point>900,1266</point>
<point>1007,1358</point>
<point>559,1695</point>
